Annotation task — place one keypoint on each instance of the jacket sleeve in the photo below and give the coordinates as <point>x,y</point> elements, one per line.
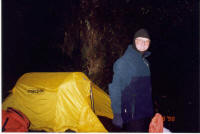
<point>116,87</point>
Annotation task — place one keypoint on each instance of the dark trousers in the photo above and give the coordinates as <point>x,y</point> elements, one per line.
<point>141,125</point>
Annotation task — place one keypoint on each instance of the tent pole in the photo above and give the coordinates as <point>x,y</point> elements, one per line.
<point>92,98</point>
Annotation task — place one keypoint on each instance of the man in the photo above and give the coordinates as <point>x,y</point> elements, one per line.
<point>130,90</point>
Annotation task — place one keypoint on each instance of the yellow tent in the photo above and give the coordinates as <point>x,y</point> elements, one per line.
<point>56,102</point>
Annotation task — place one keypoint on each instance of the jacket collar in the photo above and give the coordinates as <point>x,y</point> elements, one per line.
<point>146,54</point>
<point>130,51</point>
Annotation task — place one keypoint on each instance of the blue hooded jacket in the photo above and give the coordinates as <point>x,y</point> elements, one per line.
<point>130,90</point>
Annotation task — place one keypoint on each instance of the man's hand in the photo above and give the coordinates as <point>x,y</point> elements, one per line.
<point>117,120</point>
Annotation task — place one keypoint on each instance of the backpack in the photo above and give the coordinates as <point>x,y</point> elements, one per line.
<point>14,121</point>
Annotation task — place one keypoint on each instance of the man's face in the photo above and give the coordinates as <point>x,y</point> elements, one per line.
<point>142,44</point>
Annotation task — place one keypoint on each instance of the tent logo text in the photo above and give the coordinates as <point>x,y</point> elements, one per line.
<point>35,91</point>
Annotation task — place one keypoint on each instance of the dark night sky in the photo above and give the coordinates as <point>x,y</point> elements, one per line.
<point>32,28</point>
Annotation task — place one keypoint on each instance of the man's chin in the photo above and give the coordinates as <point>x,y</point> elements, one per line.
<point>142,51</point>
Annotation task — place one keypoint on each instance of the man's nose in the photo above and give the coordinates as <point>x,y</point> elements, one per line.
<point>143,42</point>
